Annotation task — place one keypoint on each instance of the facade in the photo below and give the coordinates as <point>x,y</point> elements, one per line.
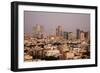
<point>78,34</point>
<point>71,36</point>
<point>38,31</point>
<point>65,35</point>
<point>82,35</point>
<point>59,31</point>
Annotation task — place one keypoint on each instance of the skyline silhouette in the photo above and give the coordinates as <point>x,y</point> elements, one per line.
<point>50,20</point>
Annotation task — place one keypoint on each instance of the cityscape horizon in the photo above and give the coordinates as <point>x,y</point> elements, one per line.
<point>69,21</point>
<point>45,42</point>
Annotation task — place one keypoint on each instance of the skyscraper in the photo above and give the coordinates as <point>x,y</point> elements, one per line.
<point>38,31</point>
<point>71,36</point>
<point>82,35</point>
<point>59,31</point>
<point>78,34</point>
<point>65,35</point>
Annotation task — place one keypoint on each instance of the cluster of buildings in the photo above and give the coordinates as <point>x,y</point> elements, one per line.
<point>61,45</point>
<point>38,32</point>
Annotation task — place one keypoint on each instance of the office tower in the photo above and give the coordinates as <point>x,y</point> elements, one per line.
<point>65,35</point>
<point>71,36</point>
<point>78,34</point>
<point>82,35</point>
<point>38,31</point>
<point>59,31</point>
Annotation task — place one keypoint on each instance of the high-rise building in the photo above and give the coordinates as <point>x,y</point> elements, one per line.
<point>65,35</point>
<point>87,35</point>
<point>38,31</point>
<point>59,31</point>
<point>82,35</point>
<point>71,36</point>
<point>78,34</point>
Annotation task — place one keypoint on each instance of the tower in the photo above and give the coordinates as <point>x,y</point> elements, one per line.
<point>65,35</point>
<point>78,34</point>
<point>38,31</point>
<point>82,35</point>
<point>59,31</point>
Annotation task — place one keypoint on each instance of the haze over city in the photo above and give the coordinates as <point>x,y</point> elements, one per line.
<point>50,20</point>
<point>56,36</point>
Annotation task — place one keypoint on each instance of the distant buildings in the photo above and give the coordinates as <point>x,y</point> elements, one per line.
<point>26,36</point>
<point>87,35</point>
<point>71,36</point>
<point>59,31</point>
<point>65,35</point>
<point>63,45</point>
<point>82,35</point>
<point>78,34</point>
<point>38,31</point>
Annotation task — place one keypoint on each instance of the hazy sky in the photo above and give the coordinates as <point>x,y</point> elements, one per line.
<point>50,20</point>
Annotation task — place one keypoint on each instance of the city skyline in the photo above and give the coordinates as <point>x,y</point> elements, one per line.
<point>69,21</point>
<point>56,36</point>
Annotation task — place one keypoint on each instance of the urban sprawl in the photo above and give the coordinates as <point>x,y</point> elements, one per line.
<point>60,45</point>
